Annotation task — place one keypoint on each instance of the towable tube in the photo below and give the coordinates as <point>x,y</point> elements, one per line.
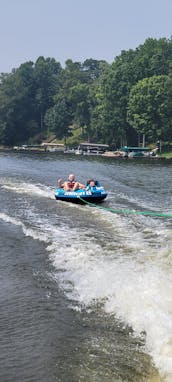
<point>94,194</point>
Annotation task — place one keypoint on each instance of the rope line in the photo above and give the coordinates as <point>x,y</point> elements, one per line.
<point>149,213</point>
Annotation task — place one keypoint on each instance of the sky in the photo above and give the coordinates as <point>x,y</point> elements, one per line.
<point>78,29</point>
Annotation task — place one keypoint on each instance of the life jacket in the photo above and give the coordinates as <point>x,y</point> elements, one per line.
<point>70,184</point>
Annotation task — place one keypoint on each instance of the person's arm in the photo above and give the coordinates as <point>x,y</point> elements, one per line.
<point>82,186</point>
<point>60,184</point>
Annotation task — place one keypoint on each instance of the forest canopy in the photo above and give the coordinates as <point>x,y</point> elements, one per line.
<point>94,100</point>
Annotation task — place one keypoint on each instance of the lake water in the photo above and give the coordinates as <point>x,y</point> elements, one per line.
<point>85,293</point>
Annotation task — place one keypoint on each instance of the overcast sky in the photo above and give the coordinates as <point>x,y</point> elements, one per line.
<point>78,29</point>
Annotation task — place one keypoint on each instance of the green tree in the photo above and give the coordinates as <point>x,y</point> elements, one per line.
<point>93,69</point>
<point>58,118</point>
<point>79,99</point>
<point>16,105</point>
<point>151,58</point>
<point>47,74</point>
<point>148,109</point>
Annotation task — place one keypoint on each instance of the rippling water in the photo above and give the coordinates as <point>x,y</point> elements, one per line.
<point>86,294</point>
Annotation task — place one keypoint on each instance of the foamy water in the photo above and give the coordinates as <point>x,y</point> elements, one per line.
<point>137,290</point>
<point>29,188</point>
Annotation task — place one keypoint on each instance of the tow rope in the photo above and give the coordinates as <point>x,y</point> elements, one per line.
<point>148,213</point>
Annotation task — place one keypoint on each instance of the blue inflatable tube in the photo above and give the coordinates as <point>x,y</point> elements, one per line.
<point>94,194</point>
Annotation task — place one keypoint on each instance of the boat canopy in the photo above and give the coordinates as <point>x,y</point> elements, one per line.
<point>93,145</point>
<point>134,149</point>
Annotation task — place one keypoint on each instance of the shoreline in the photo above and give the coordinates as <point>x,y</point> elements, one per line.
<point>42,149</point>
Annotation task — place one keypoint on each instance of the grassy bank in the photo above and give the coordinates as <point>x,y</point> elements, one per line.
<point>166,154</point>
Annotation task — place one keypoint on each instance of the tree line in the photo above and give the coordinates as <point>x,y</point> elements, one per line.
<point>105,103</point>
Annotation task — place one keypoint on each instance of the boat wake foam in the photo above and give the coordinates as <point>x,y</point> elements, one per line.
<point>29,188</point>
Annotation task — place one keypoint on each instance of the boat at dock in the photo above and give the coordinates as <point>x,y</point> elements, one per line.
<point>132,152</point>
